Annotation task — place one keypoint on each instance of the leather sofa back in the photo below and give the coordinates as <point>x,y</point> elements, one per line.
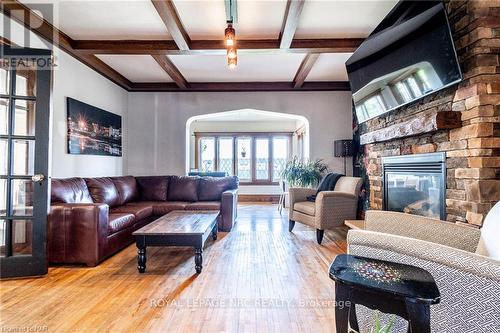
<point>70,190</point>
<point>183,188</point>
<point>103,190</point>
<point>153,188</point>
<point>211,188</point>
<point>127,188</point>
<point>117,191</point>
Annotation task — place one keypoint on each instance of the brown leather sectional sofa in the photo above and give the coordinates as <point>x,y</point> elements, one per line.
<point>92,218</point>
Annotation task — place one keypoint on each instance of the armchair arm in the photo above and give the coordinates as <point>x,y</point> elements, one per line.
<point>423,228</point>
<point>465,280</point>
<point>77,233</point>
<point>333,208</point>
<point>298,194</point>
<point>229,209</point>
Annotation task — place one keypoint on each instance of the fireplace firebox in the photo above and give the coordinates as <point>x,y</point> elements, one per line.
<point>415,184</point>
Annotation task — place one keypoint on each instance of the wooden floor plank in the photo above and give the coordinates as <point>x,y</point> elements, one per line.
<point>257,278</point>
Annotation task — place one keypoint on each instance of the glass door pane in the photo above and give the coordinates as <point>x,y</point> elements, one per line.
<point>207,154</point>
<point>244,158</point>
<point>262,158</point>
<point>23,183</point>
<point>226,155</point>
<point>280,156</point>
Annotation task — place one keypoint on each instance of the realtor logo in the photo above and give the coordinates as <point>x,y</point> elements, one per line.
<point>12,28</point>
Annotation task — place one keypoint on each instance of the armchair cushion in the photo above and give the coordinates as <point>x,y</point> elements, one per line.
<point>423,228</point>
<point>489,243</point>
<point>306,207</point>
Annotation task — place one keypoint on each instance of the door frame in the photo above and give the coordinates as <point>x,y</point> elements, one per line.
<point>35,264</point>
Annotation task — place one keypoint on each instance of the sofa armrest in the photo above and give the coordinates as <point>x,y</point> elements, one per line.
<point>334,207</point>
<point>298,194</point>
<point>77,233</point>
<point>229,209</point>
<point>423,228</point>
<point>465,280</point>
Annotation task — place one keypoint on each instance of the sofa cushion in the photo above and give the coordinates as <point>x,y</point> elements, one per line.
<point>70,190</point>
<point>305,207</point>
<point>165,207</point>
<point>183,188</point>
<point>153,188</point>
<point>489,244</point>
<point>139,211</point>
<point>103,190</point>
<point>211,188</point>
<point>119,221</point>
<point>203,205</point>
<point>127,188</point>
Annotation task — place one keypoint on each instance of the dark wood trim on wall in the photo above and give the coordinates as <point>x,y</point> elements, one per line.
<point>271,198</point>
<point>242,86</point>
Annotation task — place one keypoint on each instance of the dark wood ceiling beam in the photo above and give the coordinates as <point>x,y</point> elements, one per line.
<point>242,86</point>
<point>169,16</point>
<point>290,22</point>
<point>23,15</point>
<point>335,45</point>
<point>169,67</point>
<point>304,69</point>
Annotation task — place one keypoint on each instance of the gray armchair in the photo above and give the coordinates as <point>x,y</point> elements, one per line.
<point>469,282</point>
<point>330,209</point>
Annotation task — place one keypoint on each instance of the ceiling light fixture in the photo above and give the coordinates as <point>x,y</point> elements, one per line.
<point>232,62</point>
<point>229,35</point>
<point>232,52</point>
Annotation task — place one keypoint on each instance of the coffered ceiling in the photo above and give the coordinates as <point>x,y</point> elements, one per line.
<point>178,45</point>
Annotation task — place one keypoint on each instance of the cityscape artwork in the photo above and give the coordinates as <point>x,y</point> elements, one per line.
<point>93,131</point>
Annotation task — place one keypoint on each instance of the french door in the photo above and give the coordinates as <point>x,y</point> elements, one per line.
<point>25,80</point>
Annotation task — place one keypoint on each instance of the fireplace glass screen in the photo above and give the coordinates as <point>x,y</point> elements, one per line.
<point>415,184</point>
<point>414,193</point>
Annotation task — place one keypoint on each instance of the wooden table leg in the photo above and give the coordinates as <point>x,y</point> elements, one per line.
<point>141,259</point>
<point>419,317</point>
<point>341,312</point>
<point>198,259</point>
<point>214,232</point>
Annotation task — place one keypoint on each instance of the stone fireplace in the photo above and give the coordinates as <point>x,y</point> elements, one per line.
<point>415,184</point>
<point>462,123</point>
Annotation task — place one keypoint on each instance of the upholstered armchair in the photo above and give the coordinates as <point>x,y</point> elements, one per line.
<point>463,261</point>
<point>330,209</point>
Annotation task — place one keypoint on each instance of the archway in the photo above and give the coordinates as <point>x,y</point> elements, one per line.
<point>249,120</point>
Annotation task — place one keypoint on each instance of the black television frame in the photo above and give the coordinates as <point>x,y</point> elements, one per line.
<point>402,8</point>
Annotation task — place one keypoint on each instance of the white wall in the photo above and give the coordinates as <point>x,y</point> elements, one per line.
<point>157,123</point>
<point>73,79</point>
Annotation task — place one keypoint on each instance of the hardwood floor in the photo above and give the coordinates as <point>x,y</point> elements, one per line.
<point>257,278</point>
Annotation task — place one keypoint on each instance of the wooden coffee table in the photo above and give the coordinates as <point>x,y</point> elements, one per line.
<point>177,228</point>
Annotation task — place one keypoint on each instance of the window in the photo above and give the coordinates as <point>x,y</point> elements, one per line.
<point>257,158</point>
<point>207,149</point>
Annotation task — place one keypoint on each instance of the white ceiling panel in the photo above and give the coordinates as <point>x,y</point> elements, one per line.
<point>251,67</point>
<point>329,67</point>
<point>204,19</point>
<point>106,19</point>
<point>136,68</point>
<point>341,19</point>
<point>260,19</point>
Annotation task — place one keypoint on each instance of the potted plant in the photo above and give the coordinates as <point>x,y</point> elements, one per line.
<point>298,173</point>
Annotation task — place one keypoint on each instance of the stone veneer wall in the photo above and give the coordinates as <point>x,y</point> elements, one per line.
<point>473,150</point>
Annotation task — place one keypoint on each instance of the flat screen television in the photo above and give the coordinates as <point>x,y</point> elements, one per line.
<point>408,56</point>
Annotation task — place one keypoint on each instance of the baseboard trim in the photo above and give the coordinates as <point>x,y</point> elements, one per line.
<point>273,198</point>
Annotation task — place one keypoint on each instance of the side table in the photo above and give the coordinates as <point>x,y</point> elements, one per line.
<point>404,290</point>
